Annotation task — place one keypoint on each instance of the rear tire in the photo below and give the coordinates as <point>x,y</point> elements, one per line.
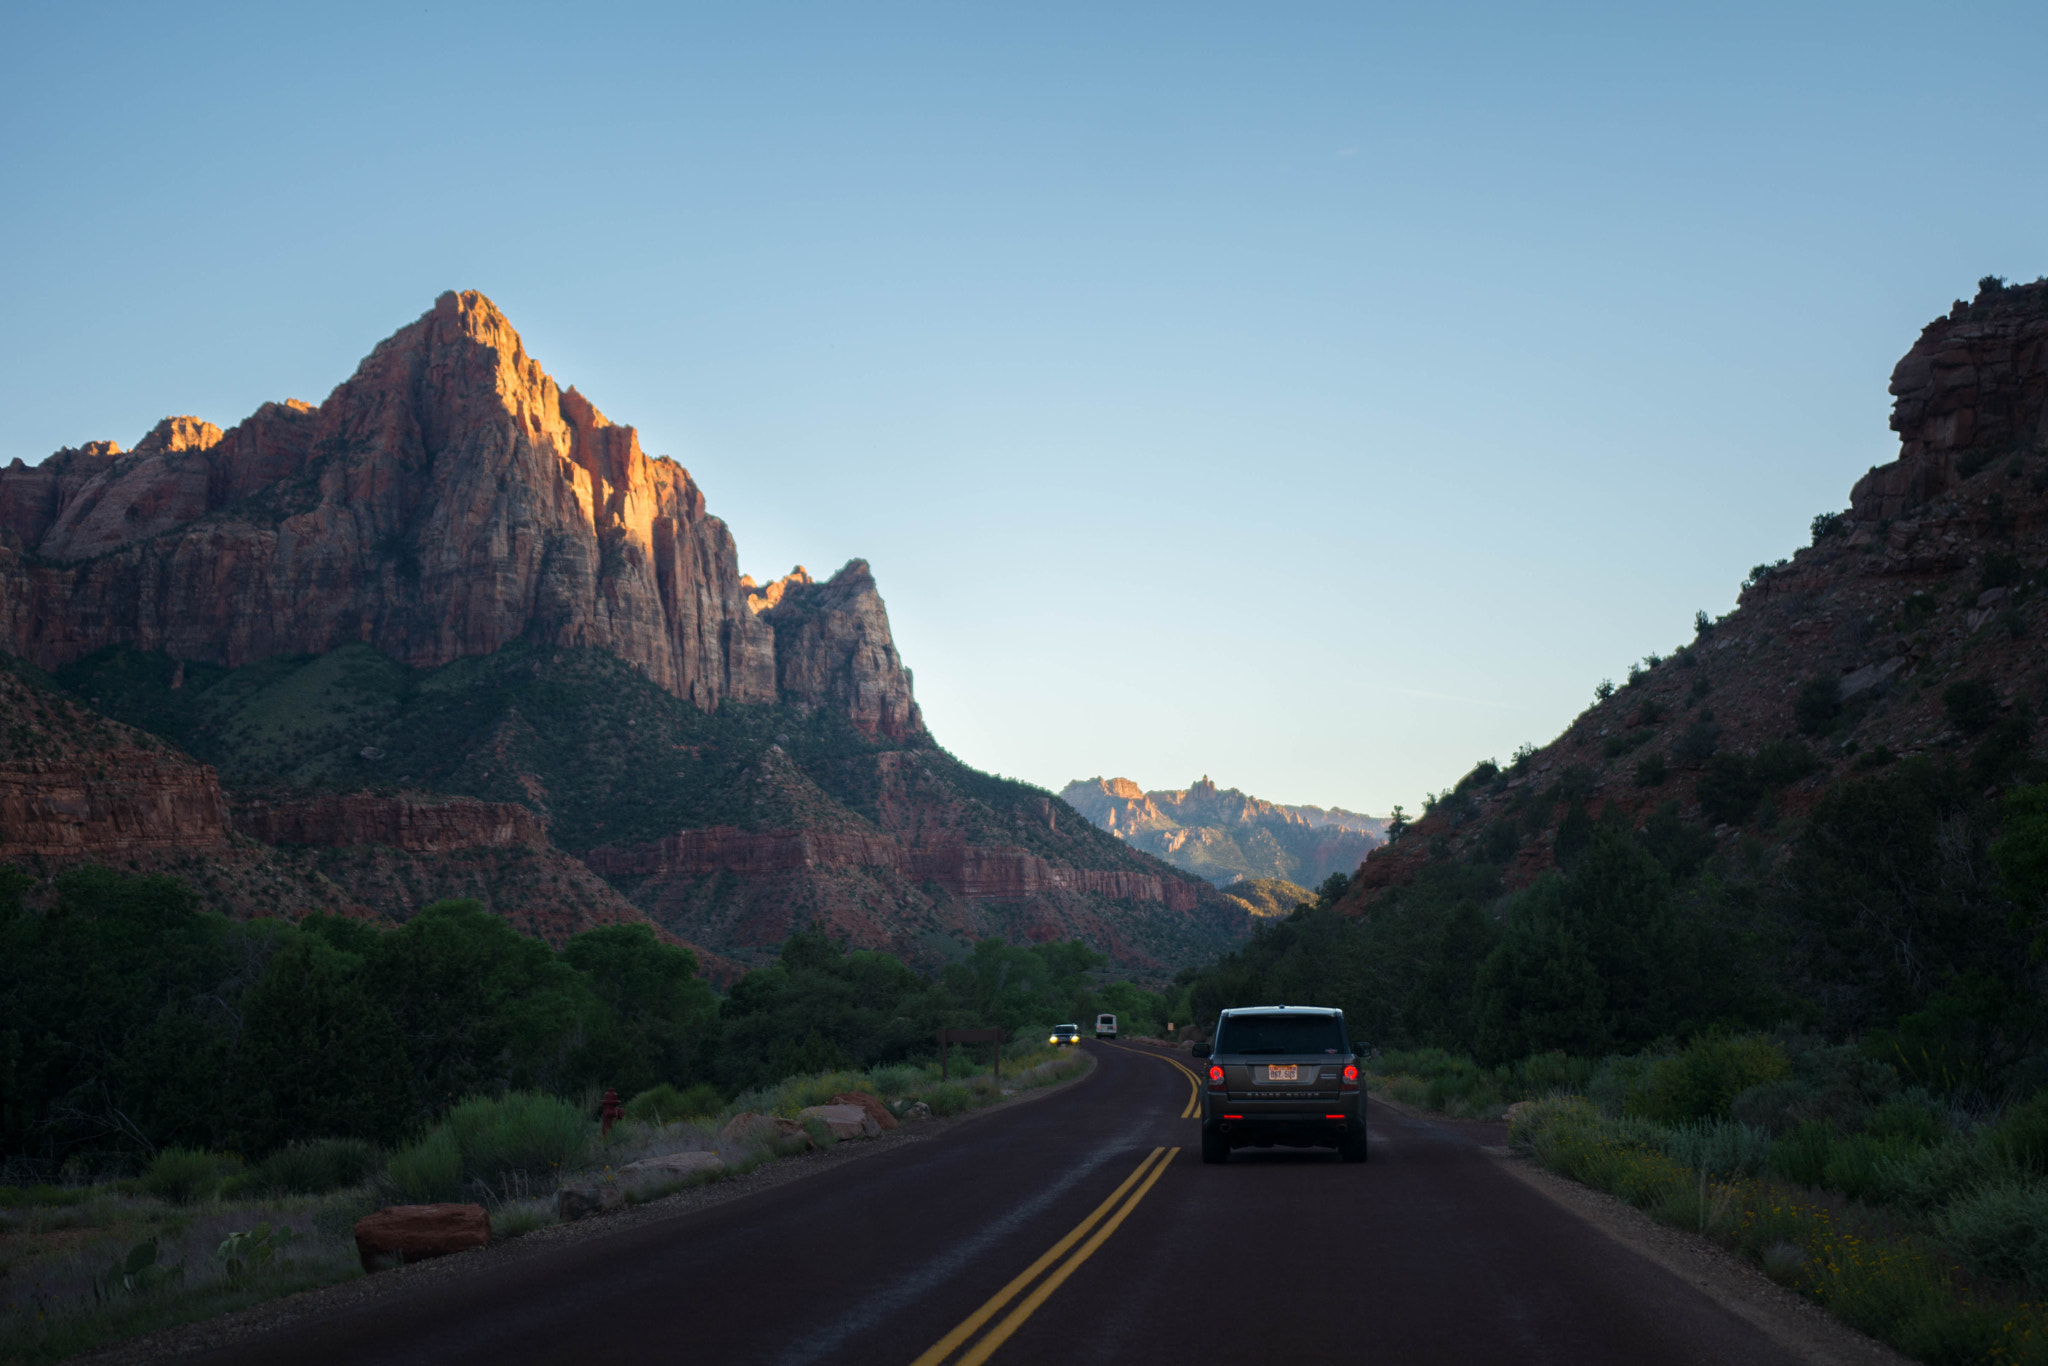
<point>1215,1148</point>
<point>1353,1148</point>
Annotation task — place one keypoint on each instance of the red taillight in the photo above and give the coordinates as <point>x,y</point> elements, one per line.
<point>1336,1116</point>
<point>1350,1076</point>
<point>1216,1078</point>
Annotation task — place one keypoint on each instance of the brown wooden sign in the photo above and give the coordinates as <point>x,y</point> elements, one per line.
<point>987,1036</point>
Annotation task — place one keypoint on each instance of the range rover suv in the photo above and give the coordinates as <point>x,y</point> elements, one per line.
<point>1284,1075</point>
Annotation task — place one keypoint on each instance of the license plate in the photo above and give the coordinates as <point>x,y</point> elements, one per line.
<point>1284,1072</point>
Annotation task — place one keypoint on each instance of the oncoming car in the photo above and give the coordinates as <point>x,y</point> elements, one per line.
<point>1284,1075</point>
<point>1065,1035</point>
<point>1105,1026</point>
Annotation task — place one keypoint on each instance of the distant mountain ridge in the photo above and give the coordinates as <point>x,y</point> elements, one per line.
<point>1225,835</point>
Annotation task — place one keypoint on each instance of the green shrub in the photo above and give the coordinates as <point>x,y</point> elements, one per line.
<point>184,1176</point>
<point>1912,1119</point>
<point>2001,1230</point>
<point>1972,705</point>
<point>1817,704</point>
<point>2019,1140</point>
<point>1718,1148</point>
<point>1543,1074</point>
<point>537,1135</point>
<point>948,1098</point>
<point>666,1104</point>
<point>1699,1082</point>
<point>1857,1164</point>
<point>429,1171</point>
<point>316,1167</point>
<point>1728,791</point>
<point>1802,1155</point>
<point>1921,1182</point>
<point>1650,770</point>
<point>1782,762</point>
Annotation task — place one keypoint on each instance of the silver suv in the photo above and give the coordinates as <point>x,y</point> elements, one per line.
<point>1285,1075</point>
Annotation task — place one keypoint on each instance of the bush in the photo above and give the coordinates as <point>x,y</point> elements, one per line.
<point>316,1167</point>
<point>1650,770</point>
<point>429,1171</point>
<point>1698,744</point>
<point>1700,1082</point>
<point>2001,1230</point>
<point>665,1104</point>
<point>1911,1119</point>
<point>1857,1163</point>
<point>1782,762</point>
<point>1972,705</point>
<point>2019,1140</point>
<point>1718,1148</point>
<point>183,1176</point>
<point>537,1135</point>
<point>1817,705</point>
<point>1802,1155</point>
<point>1728,791</point>
<point>1921,1182</point>
<point>1826,524</point>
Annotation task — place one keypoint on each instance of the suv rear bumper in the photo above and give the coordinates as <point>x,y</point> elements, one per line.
<point>1247,1124</point>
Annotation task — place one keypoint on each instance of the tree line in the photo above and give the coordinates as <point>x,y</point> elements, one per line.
<point>132,1019</point>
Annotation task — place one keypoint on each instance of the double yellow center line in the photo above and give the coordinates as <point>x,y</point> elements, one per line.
<point>1147,1173</point>
<point>1193,1109</point>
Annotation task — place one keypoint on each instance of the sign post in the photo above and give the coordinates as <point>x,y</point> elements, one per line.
<point>987,1036</point>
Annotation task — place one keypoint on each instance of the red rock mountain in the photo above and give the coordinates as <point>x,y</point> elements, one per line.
<point>445,501</point>
<point>452,632</point>
<point>1839,659</point>
<point>1224,835</point>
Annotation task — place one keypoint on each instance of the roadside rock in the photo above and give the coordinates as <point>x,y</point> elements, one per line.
<point>874,1107</point>
<point>844,1122</point>
<point>414,1233</point>
<point>654,1171</point>
<point>580,1202</point>
<point>749,1127</point>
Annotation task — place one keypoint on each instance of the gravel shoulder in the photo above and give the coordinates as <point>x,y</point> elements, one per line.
<point>208,1334</point>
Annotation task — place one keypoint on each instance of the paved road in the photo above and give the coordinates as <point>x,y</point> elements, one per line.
<point>1080,1228</point>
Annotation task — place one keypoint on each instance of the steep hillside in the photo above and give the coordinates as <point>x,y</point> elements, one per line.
<point>1268,895</point>
<point>452,632</point>
<point>1224,835</point>
<point>1911,626</point>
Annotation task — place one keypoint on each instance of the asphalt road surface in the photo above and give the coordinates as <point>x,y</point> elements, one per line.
<point>1075,1229</point>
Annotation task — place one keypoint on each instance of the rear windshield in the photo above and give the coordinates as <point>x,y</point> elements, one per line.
<point>1279,1034</point>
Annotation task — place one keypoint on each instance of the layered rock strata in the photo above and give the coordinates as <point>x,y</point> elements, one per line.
<point>413,825</point>
<point>445,501</point>
<point>972,873</point>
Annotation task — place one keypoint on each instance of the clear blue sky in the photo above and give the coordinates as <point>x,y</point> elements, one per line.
<point>1318,397</point>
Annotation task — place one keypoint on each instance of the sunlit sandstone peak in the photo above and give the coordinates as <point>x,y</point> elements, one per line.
<point>446,500</point>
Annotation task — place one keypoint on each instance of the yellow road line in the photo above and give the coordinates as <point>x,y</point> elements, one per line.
<point>939,1350</point>
<point>1193,1108</point>
<point>1000,1334</point>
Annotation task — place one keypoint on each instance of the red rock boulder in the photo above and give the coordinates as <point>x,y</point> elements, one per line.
<point>874,1107</point>
<point>412,1233</point>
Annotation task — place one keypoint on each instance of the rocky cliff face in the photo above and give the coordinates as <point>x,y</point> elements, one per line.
<point>1838,660</point>
<point>1225,835</point>
<point>74,785</point>
<point>445,501</point>
<point>413,825</point>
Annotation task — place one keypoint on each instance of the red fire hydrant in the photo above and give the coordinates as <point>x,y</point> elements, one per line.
<point>613,1112</point>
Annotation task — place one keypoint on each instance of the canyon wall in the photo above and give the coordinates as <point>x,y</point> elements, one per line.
<point>970,872</point>
<point>446,500</point>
